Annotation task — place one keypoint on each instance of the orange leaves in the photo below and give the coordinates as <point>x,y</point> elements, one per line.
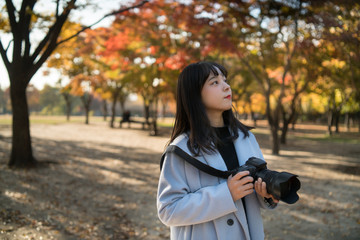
<point>153,49</point>
<point>277,74</point>
<point>82,84</point>
<point>118,42</point>
<point>177,61</point>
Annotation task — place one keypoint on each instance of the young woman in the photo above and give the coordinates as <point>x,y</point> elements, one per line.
<point>193,203</point>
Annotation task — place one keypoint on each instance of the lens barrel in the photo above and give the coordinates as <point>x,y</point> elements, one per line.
<point>283,185</point>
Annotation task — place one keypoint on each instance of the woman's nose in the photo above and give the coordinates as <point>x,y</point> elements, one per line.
<point>226,86</point>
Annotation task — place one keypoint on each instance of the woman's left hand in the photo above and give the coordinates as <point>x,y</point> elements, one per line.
<point>260,188</point>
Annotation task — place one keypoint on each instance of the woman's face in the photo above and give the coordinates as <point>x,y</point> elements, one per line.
<point>216,94</point>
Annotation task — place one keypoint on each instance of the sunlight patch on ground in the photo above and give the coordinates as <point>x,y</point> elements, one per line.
<point>306,217</point>
<point>16,196</point>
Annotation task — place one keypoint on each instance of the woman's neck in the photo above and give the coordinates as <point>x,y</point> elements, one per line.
<point>216,119</point>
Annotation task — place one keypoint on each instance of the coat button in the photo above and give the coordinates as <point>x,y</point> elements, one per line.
<point>230,222</point>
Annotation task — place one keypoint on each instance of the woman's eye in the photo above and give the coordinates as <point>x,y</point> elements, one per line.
<point>214,82</point>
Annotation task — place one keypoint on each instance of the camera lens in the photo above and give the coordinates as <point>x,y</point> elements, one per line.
<point>282,185</point>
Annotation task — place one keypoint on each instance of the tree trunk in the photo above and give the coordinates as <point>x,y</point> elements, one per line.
<point>21,152</point>
<point>113,113</point>
<point>284,131</point>
<point>113,108</point>
<point>105,112</point>
<point>68,105</point>
<point>147,112</point>
<point>154,131</point>
<point>275,140</point>
<point>347,121</point>
<point>286,121</point>
<point>330,121</point>
<point>68,111</point>
<point>293,122</point>
<point>86,99</point>
<point>87,110</point>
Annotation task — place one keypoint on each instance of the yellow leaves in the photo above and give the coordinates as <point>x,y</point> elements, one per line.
<point>339,97</point>
<point>106,95</point>
<point>112,73</point>
<point>336,30</point>
<point>134,45</point>
<point>4,23</point>
<point>334,63</point>
<point>254,51</point>
<point>314,102</point>
<point>258,103</point>
<point>69,29</point>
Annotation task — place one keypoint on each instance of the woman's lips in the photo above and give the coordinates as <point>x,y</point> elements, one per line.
<point>228,97</point>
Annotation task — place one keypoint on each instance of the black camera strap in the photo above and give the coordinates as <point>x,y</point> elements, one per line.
<point>196,163</point>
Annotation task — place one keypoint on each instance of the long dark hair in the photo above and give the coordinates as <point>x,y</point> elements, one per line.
<point>191,116</point>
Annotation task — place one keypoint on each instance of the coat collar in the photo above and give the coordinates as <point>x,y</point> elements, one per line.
<point>214,159</point>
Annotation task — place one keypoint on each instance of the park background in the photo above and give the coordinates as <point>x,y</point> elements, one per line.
<point>294,67</point>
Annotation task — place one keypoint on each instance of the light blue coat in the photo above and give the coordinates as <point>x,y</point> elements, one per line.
<point>198,206</point>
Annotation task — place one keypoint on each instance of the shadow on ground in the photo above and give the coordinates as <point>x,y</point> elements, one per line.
<point>81,192</point>
<point>87,189</point>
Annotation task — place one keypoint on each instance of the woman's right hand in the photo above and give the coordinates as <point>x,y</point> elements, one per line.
<point>240,185</point>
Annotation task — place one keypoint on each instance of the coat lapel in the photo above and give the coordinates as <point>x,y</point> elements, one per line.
<point>215,160</point>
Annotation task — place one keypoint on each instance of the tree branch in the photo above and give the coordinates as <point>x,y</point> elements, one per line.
<point>25,21</point>
<point>107,15</point>
<point>11,12</point>
<point>57,9</point>
<point>52,31</point>
<point>50,39</point>
<point>290,54</point>
<point>4,57</point>
<point>7,48</point>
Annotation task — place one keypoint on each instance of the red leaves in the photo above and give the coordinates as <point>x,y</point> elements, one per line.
<point>118,42</point>
<point>177,61</point>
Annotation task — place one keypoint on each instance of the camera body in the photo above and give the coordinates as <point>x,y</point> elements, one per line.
<point>253,165</point>
<point>281,185</point>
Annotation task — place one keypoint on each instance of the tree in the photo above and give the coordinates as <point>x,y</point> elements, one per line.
<point>20,23</point>
<point>342,31</point>
<point>144,49</point>
<point>118,50</point>
<point>68,97</point>
<point>264,36</point>
<point>337,27</point>
<point>49,99</point>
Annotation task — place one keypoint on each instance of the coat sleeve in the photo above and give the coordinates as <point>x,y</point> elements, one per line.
<point>262,201</point>
<point>178,206</point>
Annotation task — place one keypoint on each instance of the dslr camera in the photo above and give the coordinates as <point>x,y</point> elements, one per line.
<point>281,185</point>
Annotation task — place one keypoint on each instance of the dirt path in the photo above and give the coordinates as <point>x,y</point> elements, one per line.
<point>100,183</point>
